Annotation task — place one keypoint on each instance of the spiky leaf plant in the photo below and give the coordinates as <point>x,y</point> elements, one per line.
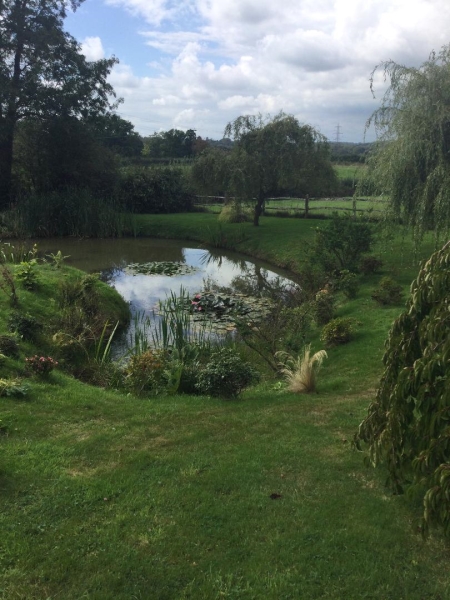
<point>301,373</point>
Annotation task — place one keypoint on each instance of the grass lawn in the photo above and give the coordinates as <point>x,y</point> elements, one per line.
<point>353,171</point>
<point>108,496</point>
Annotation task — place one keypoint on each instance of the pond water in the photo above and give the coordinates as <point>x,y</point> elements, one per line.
<point>201,269</point>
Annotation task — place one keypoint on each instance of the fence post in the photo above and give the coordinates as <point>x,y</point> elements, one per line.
<point>306,206</point>
<point>354,208</point>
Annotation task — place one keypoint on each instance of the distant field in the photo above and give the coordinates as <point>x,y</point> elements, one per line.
<point>353,171</point>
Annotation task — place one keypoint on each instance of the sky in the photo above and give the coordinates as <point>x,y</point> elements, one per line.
<point>199,64</point>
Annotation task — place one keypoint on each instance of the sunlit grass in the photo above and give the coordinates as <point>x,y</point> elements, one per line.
<point>104,495</point>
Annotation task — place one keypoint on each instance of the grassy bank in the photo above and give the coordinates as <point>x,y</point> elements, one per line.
<point>280,241</point>
<point>107,496</point>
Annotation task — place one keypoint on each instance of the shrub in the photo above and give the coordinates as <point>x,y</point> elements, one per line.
<point>68,212</point>
<point>338,331</point>
<point>41,365</point>
<point>26,273</point>
<point>234,212</point>
<point>225,375</point>
<point>9,346</point>
<point>7,284</point>
<point>341,243</point>
<point>183,367</point>
<point>144,372</point>
<point>388,292</point>
<point>25,326</point>
<point>155,190</point>
<point>282,327</point>
<point>407,425</point>
<point>301,373</point>
<point>370,264</point>
<point>13,388</point>
<point>324,306</point>
<point>348,284</point>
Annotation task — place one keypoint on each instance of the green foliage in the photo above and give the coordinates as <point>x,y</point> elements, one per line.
<point>407,423</point>
<point>25,326</point>
<point>8,285</point>
<point>411,163</point>
<point>117,134</point>
<point>324,306</point>
<point>155,190</point>
<point>369,265</point>
<point>225,375</point>
<point>68,212</point>
<point>234,212</point>
<point>388,292</point>
<point>43,74</point>
<point>57,259</point>
<point>41,365</point>
<point>341,243</point>
<point>338,331</point>
<point>347,283</point>
<point>217,237</point>
<point>81,324</point>
<point>144,372</point>
<point>269,157</point>
<point>9,346</point>
<point>27,275</point>
<point>13,387</point>
<point>183,368</point>
<point>17,253</point>
<point>174,143</point>
<point>284,327</point>
<point>60,153</point>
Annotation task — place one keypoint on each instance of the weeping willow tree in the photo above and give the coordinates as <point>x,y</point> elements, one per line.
<point>411,162</point>
<point>408,424</point>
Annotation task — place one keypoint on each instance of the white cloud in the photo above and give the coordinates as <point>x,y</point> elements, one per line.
<point>312,58</point>
<point>153,11</point>
<point>92,48</point>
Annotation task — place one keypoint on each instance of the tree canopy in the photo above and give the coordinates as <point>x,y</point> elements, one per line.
<point>270,157</point>
<point>407,425</point>
<point>174,143</point>
<point>411,163</point>
<point>43,73</point>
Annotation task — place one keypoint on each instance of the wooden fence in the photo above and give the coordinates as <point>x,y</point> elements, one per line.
<point>307,205</point>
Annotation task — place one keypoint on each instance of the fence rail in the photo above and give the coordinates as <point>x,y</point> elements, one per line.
<point>301,205</point>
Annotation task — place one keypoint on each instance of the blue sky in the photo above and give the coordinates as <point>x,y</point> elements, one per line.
<point>202,63</point>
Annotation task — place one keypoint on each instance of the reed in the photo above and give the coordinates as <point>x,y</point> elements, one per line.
<point>169,328</point>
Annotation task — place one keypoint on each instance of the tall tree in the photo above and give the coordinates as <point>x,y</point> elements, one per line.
<point>269,157</point>
<point>117,134</point>
<point>174,143</point>
<point>43,73</point>
<point>411,164</point>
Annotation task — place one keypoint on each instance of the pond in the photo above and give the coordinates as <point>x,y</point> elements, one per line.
<point>145,271</point>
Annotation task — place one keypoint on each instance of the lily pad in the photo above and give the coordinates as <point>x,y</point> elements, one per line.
<point>167,268</point>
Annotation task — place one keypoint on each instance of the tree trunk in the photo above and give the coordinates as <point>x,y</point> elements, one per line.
<point>258,210</point>
<point>9,118</point>
<point>6,157</point>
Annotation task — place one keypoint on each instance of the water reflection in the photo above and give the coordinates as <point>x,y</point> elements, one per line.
<point>215,269</point>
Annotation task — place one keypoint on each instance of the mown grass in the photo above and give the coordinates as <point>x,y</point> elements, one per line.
<point>353,171</point>
<point>104,495</point>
